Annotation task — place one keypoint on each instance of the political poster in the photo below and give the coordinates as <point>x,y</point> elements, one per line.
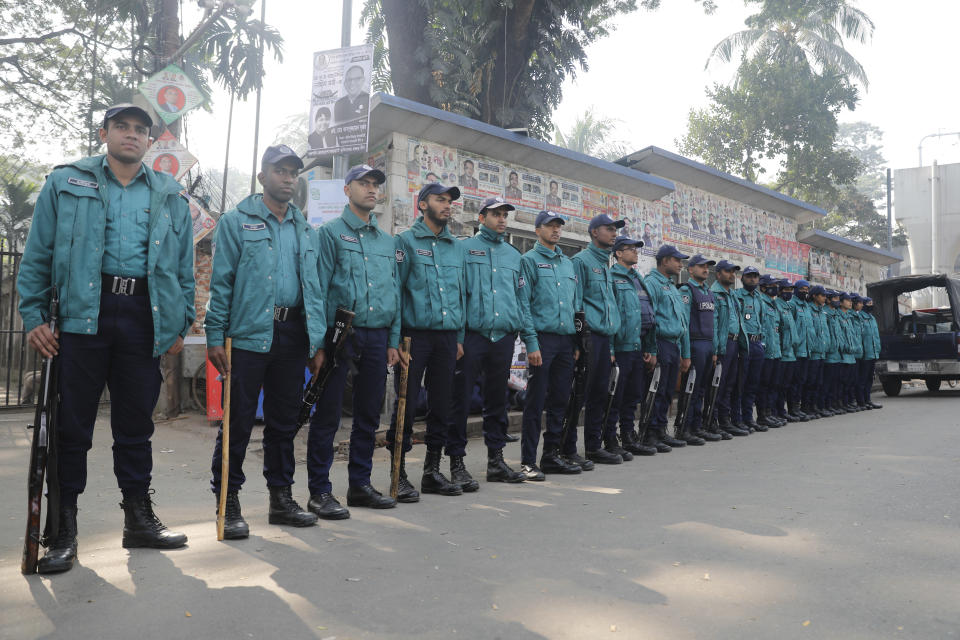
<point>171,93</point>
<point>167,155</point>
<point>203,222</point>
<point>479,178</point>
<point>340,101</point>
<point>325,201</point>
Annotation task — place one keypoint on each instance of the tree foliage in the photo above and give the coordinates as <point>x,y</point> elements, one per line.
<point>500,61</point>
<point>593,135</point>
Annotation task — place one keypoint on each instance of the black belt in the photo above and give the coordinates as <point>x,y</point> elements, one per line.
<point>756,337</point>
<point>120,286</point>
<point>732,336</point>
<point>702,338</point>
<point>285,314</point>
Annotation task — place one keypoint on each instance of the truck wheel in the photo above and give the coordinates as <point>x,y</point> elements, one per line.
<point>891,386</point>
<point>933,384</point>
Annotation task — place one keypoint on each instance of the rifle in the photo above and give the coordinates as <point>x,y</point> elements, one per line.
<point>711,405</point>
<point>611,392</point>
<point>43,457</point>
<point>683,404</point>
<point>571,417</point>
<point>342,324</point>
<point>647,414</point>
<point>401,418</point>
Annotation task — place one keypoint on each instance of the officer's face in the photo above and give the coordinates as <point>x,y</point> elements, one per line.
<point>436,209</point>
<point>698,272</point>
<point>726,277</point>
<point>604,235</point>
<point>846,303</point>
<point>857,306</point>
<point>752,279</point>
<point>628,255</point>
<point>495,219</point>
<point>549,233</point>
<point>126,137</point>
<point>279,180</point>
<point>820,299</point>
<point>362,193</point>
<point>671,266</point>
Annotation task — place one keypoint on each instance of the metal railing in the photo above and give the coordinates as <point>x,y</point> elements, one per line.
<point>19,365</point>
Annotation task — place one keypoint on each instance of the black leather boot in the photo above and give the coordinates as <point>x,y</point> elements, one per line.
<point>459,475</point>
<point>574,458</point>
<point>709,436</point>
<point>875,405</point>
<point>760,423</point>
<point>736,429</point>
<point>552,462</point>
<point>326,506</point>
<point>142,528</point>
<point>406,492</point>
<point>632,444</point>
<point>652,440</point>
<point>669,440</point>
<point>612,445</point>
<point>62,549</point>
<point>366,496</point>
<point>433,481</point>
<point>234,526</point>
<point>688,436</point>
<point>285,510</point>
<point>500,471</point>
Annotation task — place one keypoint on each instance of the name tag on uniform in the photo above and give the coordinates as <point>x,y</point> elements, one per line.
<point>347,238</point>
<point>597,270</point>
<point>620,282</point>
<point>706,306</point>
<point>255,227</point>
<point>82,183</point>
<point>545,265</point>
<point>425,252</point>
<point>477,252</point>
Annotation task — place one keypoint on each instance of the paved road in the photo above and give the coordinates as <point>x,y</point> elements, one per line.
<point>841,528</point>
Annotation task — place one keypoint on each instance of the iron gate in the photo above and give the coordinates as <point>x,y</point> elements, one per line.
<point>19,364</point>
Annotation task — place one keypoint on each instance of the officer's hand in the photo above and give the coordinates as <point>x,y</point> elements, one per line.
<point>459,351</point>
<point>393,356</point>
<point>404,359</point>
<point>218,358</point>
<point>684,364</point>
<point>650,360</point>
<point>534,359</point>
<point>176,348</point>
<point>613,359</point>
<point>714,358</point>
<point>316,362</point>
<point>576,354</point>
<point>43,341</point>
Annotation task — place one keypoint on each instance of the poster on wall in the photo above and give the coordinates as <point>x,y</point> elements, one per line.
<point>325,201</point>
<point>167,155</point>
<point>171,93</point>
<point>340,101</point>
<point>203,222</point>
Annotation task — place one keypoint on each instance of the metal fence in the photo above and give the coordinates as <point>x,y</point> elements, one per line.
<point>19,364</point>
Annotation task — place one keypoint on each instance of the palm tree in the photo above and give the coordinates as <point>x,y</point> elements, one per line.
<point>16,209</point>
<point>590,134</point>
<point>811,31</point>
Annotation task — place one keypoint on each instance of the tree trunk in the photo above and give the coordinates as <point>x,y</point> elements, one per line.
<point>405,20</point>
<point>510,57</point>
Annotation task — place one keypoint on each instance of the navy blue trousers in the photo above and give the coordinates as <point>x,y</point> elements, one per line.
<point>813,382</point>
<point>831,378</point>
<point>753,380</point>
<point>800,369</point>
<point>668,357</point>
<point>865,380</point>
<point>701,352</point>
<point>548,388</point>
<point>491,361</point>
<point>367,350</point>
<point>849,382</point>
<point>120,356</point>
<point>784,386</point>
<point>630,388</point>
<point>280,373</point>
<point>598,379</point>
<point>433,353</point>
<point>728,384</point>
<point>769,377</point>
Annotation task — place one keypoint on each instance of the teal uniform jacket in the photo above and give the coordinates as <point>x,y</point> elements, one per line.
<point>627,288</point>
<point>871,336</point>
<point>493,280</point>
<point>771,328</point>
<point>838,336</point>
<point>672,314</point>
<point>818,340</point>
<point>803,318</point>
<point>751,313</point>
<point>430,278</point>
<point>727,316</point>
<point>789,333</point>
<point>549,294</point>
<point>357,268</point>
<point>65,248</point>
<point>855,332</point>
<point>244,282</point>
<point>592,265</point>
<point>687,301</point>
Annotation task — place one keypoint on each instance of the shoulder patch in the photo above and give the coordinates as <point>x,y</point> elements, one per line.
<point>90,184</point>
<point>478,252</point>
<point>258,226</point>
<point>347,238</point>
<point>400,255</point>
<point>521,283</point>
<point>425,252</point>
<point>685,298</point>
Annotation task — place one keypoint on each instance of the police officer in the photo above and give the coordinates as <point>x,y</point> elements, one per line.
<point>789,341</point>
<point>854,351</point>
<point>634,345</point>
<point>704,344</point>
<point>800,307</point>
<point>673,341</point>
<point>493,321</point>
<point>592,265</point>
<point>432,294</point>
<point>356,267</point>
<point>750,376</point>
<point>730,335</point>
<point>115,240</point>
<point>766,388</point>
<point>264,295</point>
<point>833,361</point>
<point>871,351</point>
<point>818,339</point>
<point>548,298</point>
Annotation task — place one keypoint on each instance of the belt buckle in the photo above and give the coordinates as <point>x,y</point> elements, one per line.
<point>280,313</point>
<point>123,286</point>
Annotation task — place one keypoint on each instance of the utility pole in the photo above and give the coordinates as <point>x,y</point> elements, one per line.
<point>256,125</point>
<point>340,162</point>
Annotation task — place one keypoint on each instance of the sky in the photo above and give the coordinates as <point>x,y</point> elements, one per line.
<point>647,75</point>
